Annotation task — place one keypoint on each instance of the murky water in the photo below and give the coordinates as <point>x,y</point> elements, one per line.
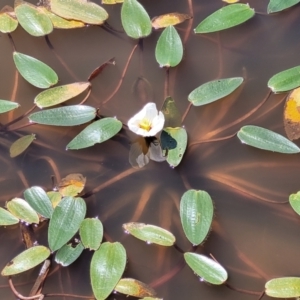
<point>253,236</point>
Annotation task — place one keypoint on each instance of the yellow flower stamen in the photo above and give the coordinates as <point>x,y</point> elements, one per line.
<point>145,124</point>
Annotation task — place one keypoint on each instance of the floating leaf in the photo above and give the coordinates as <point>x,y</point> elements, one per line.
<point>169,19</point>
<point>61,23</point>
<point>226,17</point>
<point>21,144</point>
<point>6,218</point>
<point>55,198</point>
<point>64,116</point>
<point>34,71</point>
<point>84,11</point>
<point>60,94</point>
<point>286,80</point>
<point>97,132</point>
<point>65,221</point>
<point>91,233</point>
<point>135,20</point>
<point>6,106</point>
<point>72,185</point>
<point>206,268</point>
<point>196,213</point>
<point>26,260</point>
<point>112,1</point>
<point>39,201</point>
<point>150,234</point>
<point>169,49</point>
<point>107,266</point>
<point>67,254</point>
<point>231,1</point>
<point>133,287</point>
<point>22,210</point>
<point>33,20</point>
<point>265,139</point>
<point>285,287</point>
<point>8,21</point>
<point>294,200</point>
<point>171,113</point>
<point>174,152</point>
<point>214,90</point>
<point>279,5</point>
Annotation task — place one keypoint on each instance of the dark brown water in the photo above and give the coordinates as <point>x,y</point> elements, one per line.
<point>253,238</point>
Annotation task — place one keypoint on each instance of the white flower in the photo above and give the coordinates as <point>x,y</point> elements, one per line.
<point>148,121</point>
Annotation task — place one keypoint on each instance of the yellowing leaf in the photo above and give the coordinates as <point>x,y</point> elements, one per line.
<point>231,1</point>
<point>8,20</point>
<point>169,19</point>
<point>71,185</point>
<point>21,144</point>
<point>112,1</point>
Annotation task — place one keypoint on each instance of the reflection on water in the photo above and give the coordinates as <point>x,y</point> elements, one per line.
<point>253,236</point>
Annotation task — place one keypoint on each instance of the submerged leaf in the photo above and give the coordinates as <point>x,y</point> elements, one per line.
<point>214,90</point>
<point>34,71</point>
<point>21,144</point>
<point>226,17</point>
<point>171,113</point>
<point>6,218</point>
<point>163,21</point>
<point>26,260</point>
<point>285,287</point>
<point>279,5</point>
<point>133,287</point>
<point>64,116</point>
<point>91,233</point>
<point>135,20</point>
<point>6,106</point>
<point>72,185</point>
<point>265,139</point>
<point>294,200</point>
<point>169,48</point>
<point>8,21</point>
<point>67,254</point>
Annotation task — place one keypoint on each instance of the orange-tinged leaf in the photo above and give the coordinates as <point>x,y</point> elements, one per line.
<point>231,1</point>
<point>135,288</point>
<point>71,185</point>
<point>169,19</point>
<point>112,1</point>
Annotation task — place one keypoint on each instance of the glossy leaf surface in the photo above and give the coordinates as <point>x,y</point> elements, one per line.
<point>60,94</point>
<point>97,132</point>
<point>133,287</point>
<point>26,260</point>
<point>265,139</point>
<point>279,5</point>
<point>8,20</point>
<point>169,49</point>
<point>65,221</point>
<point>39,201</point>
<point>6,106</point>
<point>196,213</point>
<point>35,71</point>
<point>21,144</point>
<point>171,113</point>
<point>135,20</point>
<point>209,270</point>
<point>67,254</point>
<point>226,17</point>
<point>91,233</point>
<point>107,267</point>
<point>294,200</point>
<point>6,218</point>
<point>214,90</point>
<point>22,210</point>
<point>64,116</point>
<point>285,287</point>
<point>166,20</point>
<point>150,233</point>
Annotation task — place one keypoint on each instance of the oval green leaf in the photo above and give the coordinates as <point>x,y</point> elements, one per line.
<point>169,49</point>
<point>39,200</point>
<point>97,132</point>
<point>285,287</point>
<point>91,233</point>
<point>84,11</point>
<point>196,213</point>
<point>34,71</point>
<point>135,288</point>
<point>6,218</point>
<point>8,21</point>
<point>294,200</point>
<point>21,144</point>
<point>33,20</point>
<point>26,260</point>
<point>226,17</point>
<point>206,268</point>
<point>55,198</point>
<point>286,80</point>
<point>6,106</point>
<point>214,90</point>
<point>179,138</point>
<point>265,139</point>
<point>64,116</point>
<point>279,5</point>
<point>135,20</point>
<point>150,233</point>
<point>171,113</point>
<point>65,221</point>
<point>22,210</point>
<point>60,94</point>
<point>107,267</point>
<point>67,254</point>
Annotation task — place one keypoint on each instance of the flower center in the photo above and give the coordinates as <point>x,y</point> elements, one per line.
<point>145,124</point>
